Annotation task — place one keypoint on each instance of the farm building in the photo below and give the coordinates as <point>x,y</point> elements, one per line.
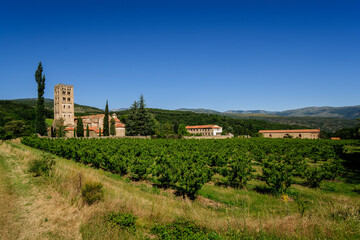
<point>205,130</point>
<point>299,133</point>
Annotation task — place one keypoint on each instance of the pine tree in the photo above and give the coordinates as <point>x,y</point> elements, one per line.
<point>40,124</point>
<point>80,128</point>
<point>87,131</point>
<point>132,120</point>
<point>112,127</point>
<point>145,121</point>
<point>106,121</point>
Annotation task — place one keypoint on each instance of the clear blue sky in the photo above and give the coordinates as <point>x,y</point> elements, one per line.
<point>222,55</point>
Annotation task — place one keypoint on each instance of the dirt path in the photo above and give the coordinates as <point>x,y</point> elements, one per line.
<point>8,205</point>
<point>30,209</point>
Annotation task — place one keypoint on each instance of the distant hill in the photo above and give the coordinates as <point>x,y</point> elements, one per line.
<point>350,112</point>
<point>198,110</point>
<point>49,104</point>
<point>329,119</point>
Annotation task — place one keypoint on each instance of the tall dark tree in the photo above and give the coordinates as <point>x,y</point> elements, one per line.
<point>112,127</point>
<point>87,131</point>
<point>132,120</point>
<point>40,124</point>
<point>139,121</point>
<point>80,127</point>
<point>106,121</point>
<point>146,122</point>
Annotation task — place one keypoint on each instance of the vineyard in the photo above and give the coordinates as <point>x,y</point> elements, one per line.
<point>186,165</point>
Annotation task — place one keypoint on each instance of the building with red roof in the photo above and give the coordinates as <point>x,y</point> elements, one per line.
<point>205,130</point>
<point>292,133</point>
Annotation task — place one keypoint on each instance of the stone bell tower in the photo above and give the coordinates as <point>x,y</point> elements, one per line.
<point>64,103</point>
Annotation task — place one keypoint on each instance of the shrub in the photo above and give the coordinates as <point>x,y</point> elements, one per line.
<point>239,171</point>
<point>277,173</point>
<point>183,229</point>
<point>122,220</point>
<point>92,192</point>
<point>41,166</point>
<point>333,168</point>
<point>313,176</point>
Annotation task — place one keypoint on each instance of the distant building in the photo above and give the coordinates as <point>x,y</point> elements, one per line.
<point>300,133</point>
<point>205,130</point>
<point>335,138</point>
<point>64,109</point>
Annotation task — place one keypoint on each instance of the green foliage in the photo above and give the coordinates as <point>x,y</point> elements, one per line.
<point>106,121</point>
<point>60,128</point>
<point>139,120</point>
<point>183,229</point>
<point>182,130</point>
<point>99,132</point>
<point>277,173</point>
<point>333,168</point>
<point>313,176</point>
<point>239,170</point>
<point>40,124</point>
<point>187,164</point>
<point>122,220</point>
<point>236,126</point>
<point>92,192</point>
<point>80,128</point>
<point>41,166</point>
<point>87,131</point>
<point>112,127</point>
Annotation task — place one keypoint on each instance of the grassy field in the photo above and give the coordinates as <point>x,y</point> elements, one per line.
<point>51,207</point>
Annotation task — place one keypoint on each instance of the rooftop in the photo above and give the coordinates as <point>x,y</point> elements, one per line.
<point>291,131</point>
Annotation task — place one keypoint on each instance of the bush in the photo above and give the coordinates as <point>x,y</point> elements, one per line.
<point>313,176</point>
<point>239,171</point>
<point>41,166</point>
<point>122,220</point>
<point>183,229</point>
<point>277,173</point>
<point>333,168</point>
<point>92,192</point>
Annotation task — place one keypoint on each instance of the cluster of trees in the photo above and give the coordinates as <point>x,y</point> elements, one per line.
<point>167,122</point>
<point>186,165</point>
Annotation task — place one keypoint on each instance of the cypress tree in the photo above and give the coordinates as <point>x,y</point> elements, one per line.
<point>99,132</point>
<point>87,131</point>
<point>80,128</point>
<point>112,127</point>
<point>106,120</point>
<point>40,124</point>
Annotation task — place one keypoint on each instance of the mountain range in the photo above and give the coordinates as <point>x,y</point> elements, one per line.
<point>348,112</point>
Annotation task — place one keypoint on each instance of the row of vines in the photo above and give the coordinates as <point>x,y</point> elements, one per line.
<point>187,164</point>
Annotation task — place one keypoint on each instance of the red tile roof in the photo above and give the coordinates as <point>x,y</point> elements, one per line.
<point>203,126</point>
<point>291,131</point>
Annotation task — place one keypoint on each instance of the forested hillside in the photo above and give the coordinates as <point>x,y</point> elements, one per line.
<point>49,104</point>
<point>172,119</point>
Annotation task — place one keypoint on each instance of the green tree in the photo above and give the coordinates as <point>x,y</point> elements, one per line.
<point>60,128</point>
<point>15,127</point>
<point>132,120</point>
<point>87,131</point>
<point>139,120</point>
<point>112,127</point>
<point>99,132</point>
<point>106,120</point>
<point>80,127</point>
<point>182,130</point>
<point>40,124</point>
<point>146,122</point>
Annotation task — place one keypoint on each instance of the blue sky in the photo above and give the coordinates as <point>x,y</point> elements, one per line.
<point>221,55</point>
